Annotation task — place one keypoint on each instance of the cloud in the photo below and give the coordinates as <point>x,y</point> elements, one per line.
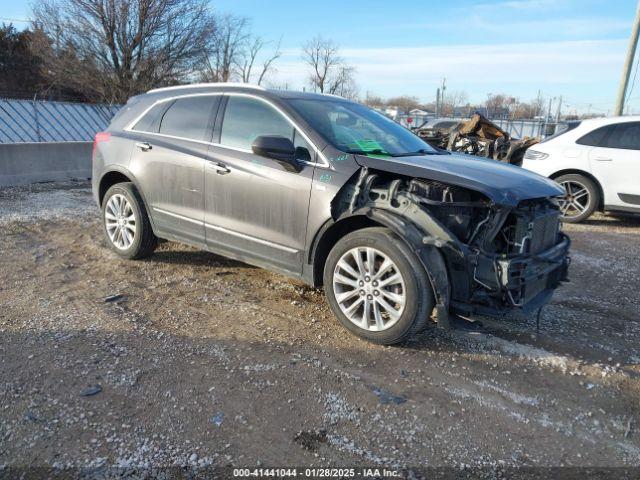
<point>478,69</point>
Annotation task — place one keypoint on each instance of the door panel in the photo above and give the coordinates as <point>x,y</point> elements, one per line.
<point>616,164</point>
<point>258,208</point>
<point>171,174</point>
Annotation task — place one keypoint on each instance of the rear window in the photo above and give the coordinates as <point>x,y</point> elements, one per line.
<point>596,137</point>
<point>189,118</point>
<point>149,122</point>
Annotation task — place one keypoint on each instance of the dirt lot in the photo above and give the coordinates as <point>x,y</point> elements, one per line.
<point>207,361</point>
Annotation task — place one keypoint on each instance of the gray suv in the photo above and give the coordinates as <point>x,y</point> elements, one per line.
<point>331,192</point>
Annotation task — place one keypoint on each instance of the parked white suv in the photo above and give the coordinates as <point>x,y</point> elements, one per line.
<point>597,162</point>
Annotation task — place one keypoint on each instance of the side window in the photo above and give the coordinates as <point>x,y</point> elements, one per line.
<point>189,117</point>
<point>625,135</point>
<point>246,118</point>
<point>150,121</point>
<point>597,137</point>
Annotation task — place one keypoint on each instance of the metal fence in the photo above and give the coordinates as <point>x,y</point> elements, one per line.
<point>29,121</point>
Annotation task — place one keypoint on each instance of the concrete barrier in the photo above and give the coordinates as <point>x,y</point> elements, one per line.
<point>22,163</point>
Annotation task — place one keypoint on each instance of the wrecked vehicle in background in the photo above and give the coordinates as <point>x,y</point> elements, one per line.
<point>335,194</point>
<point>478,136</point>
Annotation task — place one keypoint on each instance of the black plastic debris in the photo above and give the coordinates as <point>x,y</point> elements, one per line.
<point>90,391</point>
<point>115,298</point>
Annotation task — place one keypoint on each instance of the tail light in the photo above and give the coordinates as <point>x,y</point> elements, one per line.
<point>100,137</point>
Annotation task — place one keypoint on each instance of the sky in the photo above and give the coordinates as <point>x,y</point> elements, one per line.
<point>569,48</point>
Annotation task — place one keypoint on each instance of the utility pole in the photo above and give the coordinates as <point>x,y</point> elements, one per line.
<point>438,102</point>
<point>558,110</point>
<point>628,63</point>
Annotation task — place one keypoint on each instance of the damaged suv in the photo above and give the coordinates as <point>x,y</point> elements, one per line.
<point>331,192</point>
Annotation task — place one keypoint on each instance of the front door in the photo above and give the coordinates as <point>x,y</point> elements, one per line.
<point>616,164</point>
<point>254,207</point>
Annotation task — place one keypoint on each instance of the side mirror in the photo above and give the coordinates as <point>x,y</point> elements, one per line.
<point>280,149</point>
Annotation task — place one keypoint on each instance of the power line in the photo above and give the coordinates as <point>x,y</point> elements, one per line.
<point>633,82</point>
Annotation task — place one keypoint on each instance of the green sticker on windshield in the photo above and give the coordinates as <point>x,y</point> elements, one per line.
<point>372,148</point>
<point>369,145</point>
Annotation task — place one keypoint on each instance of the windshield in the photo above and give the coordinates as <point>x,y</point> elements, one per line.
<point>354,128</point>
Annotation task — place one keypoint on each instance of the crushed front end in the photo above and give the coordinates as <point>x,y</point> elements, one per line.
<point>497,257</point>
<point>517,259</point>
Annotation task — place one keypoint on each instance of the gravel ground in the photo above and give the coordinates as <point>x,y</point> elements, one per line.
<point>190,359</point>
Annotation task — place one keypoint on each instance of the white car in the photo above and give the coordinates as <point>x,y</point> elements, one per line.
<point>597,161</point>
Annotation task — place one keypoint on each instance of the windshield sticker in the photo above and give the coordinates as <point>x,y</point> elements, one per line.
<point>371,148</point>
<point>367,145</point>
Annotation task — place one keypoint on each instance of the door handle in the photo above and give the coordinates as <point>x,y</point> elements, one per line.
<point>603,159</point>
<point>144,146</point>
<point>220,168</point>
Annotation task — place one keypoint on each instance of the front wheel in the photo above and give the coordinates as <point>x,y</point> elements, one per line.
<point>377,287</point>
<point>580,200</point>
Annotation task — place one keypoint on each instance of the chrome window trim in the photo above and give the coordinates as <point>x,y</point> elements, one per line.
<point>324,163</point>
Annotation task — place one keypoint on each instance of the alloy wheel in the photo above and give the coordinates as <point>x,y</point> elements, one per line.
<point>369,289</point>
<point>576,200</point>
<point>120,221</point>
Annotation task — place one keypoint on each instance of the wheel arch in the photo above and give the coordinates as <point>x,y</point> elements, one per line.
<point>328,235</point>
<point>117,175</point>
<point>575,171</point>
<point>430,256</point>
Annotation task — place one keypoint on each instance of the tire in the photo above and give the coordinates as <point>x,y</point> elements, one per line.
<point>380,324</point>
<point>584,198</point>
<point>136,239</point>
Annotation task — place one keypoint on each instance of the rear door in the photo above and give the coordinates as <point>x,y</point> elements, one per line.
<point>615,162</point>
<point>169,160</point>
<point>254,207</point>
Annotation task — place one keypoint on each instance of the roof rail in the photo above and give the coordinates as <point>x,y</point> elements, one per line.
<point>206,85</point>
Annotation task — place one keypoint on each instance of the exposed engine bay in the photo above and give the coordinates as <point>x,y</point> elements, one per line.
<point>497,257</point>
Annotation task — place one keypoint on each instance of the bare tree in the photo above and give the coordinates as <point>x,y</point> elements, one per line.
<point>112,49</point>
<point>246,63</point>
<point>497,105</point>
<point>452,100</point>
<point>329,73</point>
<point>225,48</point>
<point>404,102</point>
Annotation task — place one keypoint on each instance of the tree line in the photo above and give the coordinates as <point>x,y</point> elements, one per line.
<point>108,50</point>
<point>456,104</point>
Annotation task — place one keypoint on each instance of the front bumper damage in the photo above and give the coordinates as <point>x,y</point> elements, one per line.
<point>523,281</point>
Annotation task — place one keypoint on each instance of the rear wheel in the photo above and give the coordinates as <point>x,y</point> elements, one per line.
<point>580,200</point>
<point>376,286</point>
<point>126,223</point>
